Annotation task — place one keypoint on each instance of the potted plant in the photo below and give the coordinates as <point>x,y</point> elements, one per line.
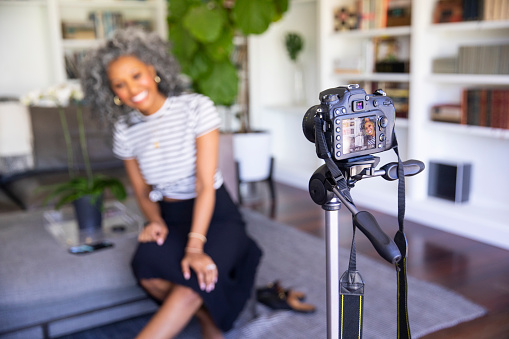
<point>86,191</point>
<point>294,44</point>
<point>209,39</point>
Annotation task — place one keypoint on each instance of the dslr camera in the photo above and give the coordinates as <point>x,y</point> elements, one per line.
<point>354,123</point>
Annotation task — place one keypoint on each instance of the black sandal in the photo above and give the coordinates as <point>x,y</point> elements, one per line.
<point>276,297</point>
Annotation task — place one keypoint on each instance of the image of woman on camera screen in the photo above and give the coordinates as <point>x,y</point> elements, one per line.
<point>358,134</point>
<point>194,255</point>
<point>369,131</point>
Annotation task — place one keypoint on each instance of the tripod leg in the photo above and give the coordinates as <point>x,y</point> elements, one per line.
<point>332,260</point>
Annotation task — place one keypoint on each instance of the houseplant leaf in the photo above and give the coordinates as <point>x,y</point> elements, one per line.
<point>178,8</point>
<point>221,48</point>
<point>253,17</point>
<point>205,22</point>
<point>198,65</point>
<point>183,44</point>
<point>281,7</point>
<point>221,83</point>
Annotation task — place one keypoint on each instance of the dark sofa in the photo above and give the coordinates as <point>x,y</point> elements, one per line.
<point>49,163</point>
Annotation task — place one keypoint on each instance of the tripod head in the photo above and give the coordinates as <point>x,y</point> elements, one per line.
<point>322,188</point>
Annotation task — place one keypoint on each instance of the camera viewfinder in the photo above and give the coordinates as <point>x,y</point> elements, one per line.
<point>357,105</point>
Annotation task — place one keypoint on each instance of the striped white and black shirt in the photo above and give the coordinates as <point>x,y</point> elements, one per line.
<point>164,144</point>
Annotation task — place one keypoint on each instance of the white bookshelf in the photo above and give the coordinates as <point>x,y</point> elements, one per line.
<point>37,40</point>
<point>485,216</point>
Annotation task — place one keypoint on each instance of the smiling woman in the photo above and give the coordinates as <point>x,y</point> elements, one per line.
<point>194,254</point>
<point>135,84</point>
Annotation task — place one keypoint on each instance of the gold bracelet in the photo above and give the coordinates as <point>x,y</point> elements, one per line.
<point>193,250</point>
<point>197,236</point>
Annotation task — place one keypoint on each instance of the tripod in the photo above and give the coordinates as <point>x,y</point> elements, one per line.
<point>325,192</point>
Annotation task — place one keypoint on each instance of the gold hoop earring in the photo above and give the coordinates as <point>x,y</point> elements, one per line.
<point>117,101</point>
<point>157,79</point>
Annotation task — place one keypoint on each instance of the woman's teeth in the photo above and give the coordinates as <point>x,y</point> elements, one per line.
<point>139,97</point>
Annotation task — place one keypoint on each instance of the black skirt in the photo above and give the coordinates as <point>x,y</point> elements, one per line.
<point>233,251</point>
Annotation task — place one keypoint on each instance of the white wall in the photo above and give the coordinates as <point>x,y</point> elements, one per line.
<point>272,88</point>
<point>25,52</point>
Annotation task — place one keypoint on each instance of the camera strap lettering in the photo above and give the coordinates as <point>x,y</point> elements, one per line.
<point>351,292</point>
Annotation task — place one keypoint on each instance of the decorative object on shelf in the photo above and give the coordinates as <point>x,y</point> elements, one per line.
<point>388,56</point>
<point>345,19</point>
<point>203,36</point>
<point>89,186</point>
<point>449,180</point>
<point>294,44</point>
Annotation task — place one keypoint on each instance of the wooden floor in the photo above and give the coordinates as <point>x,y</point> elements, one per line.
<point>475,270</point>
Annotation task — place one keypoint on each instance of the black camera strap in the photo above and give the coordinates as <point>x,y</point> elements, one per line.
<point>401,242</point>
<point>403,323</point>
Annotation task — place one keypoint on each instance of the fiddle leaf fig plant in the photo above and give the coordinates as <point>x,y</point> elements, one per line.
<point>202,34</point>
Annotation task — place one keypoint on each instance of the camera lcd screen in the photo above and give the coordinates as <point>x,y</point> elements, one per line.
<point>359,134</point>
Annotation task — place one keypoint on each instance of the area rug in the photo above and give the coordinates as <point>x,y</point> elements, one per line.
<point>297,259</point>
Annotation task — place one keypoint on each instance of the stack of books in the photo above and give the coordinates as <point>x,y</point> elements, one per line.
<point>477,59</point>
<point>468,10</point>
<point>373,14</point>
<point>486,107</point>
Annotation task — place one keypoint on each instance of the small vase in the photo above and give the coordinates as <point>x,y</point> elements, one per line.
<point>88,213</point>
<point>298,85</point>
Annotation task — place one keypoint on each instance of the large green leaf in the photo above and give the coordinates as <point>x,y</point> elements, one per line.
<point>281,8</point>
<point>221,84</point>
<point>183,44</point>
<point>222,47</point>
<point>197,66</point>
<point>254,16</point>
<point>78,187</point>
<point>205,23</point>
<point>177,9</point>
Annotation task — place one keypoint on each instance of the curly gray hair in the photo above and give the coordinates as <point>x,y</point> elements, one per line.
<point>148,48</point>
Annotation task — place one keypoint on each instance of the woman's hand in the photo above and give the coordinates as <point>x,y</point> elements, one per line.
<point>154,231</point>
<point>203,266</point>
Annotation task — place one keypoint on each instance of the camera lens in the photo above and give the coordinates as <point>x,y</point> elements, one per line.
<point>308,123</point>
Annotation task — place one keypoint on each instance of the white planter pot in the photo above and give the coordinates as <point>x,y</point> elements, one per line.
<point>253,153</point>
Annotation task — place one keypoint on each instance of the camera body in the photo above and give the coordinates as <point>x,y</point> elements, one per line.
<point>354,123</point>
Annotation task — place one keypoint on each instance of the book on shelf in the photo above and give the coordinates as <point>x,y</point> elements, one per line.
<point>476,59</point>
<point>485,107</point>
<point>470,10</point>
<point>399,13</point>
<point>106,22</point>
<point>495,10</point>
<point>373,14</point>
<point>446,113</point>
<point>78,30</point>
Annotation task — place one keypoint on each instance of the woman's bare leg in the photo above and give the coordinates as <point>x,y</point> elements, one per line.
<point>209,329</point>
<point>160,288</point>
<point>177,309</point>
<point>157,288</point>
